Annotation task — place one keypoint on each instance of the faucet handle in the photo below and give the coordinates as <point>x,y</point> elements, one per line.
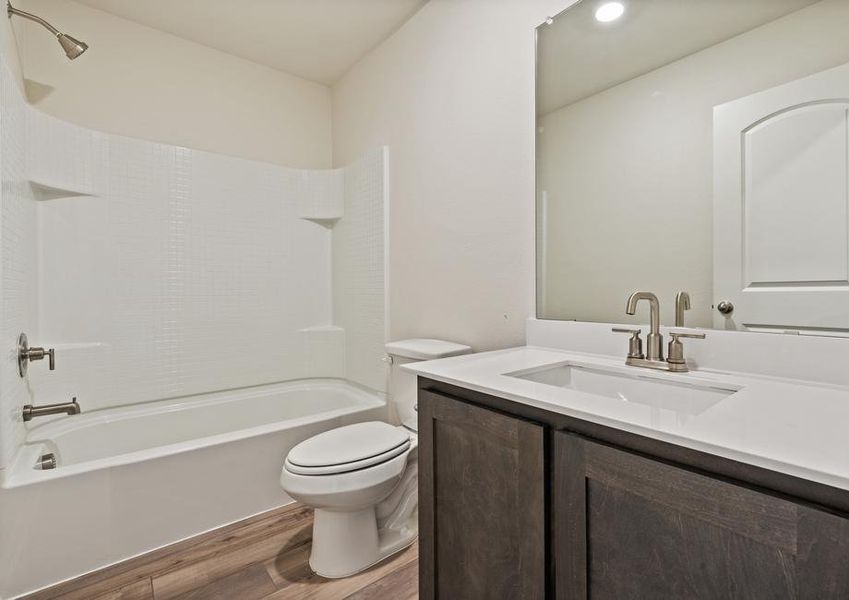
<point>676,348</point>
<point>27,354</point>
<point>683,334</point>
<point>635,344</point>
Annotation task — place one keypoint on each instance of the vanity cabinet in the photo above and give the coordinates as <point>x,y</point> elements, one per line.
<point>628,526</point>
<point>518,503</point>
<point>481,502</point>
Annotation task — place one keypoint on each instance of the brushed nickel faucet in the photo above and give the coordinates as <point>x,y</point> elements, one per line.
<point>682,303</point>
<point>654,341</point>
<point>69,408</point>
<point>26,354</point>
<point>654,358</point>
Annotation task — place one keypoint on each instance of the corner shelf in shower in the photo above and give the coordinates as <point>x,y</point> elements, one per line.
<point>326,222</point>
<point>326,214</point>
<point>53,190</point>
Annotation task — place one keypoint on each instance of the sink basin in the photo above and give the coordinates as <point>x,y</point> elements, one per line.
<point>679,397</point>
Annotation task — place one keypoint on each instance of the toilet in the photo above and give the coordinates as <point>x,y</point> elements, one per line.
<point>362,479</point>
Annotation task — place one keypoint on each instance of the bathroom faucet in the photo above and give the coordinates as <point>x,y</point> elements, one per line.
<point>654,358</point>
<point>654,340</point>
<point>69,408</point>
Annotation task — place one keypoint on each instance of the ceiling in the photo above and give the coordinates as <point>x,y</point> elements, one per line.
<point>314,39</point>
<point>579,57</point>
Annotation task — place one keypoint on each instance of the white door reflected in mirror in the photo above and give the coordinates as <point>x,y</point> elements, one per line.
<point>781,240</point>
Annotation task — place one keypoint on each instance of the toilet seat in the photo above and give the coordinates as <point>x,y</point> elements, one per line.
<point>347,449</point>
<point>348,466</point>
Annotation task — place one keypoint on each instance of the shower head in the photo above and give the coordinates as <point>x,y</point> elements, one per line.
<point>72,46</point>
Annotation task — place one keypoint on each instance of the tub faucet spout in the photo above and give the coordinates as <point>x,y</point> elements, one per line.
<point>69,408</point>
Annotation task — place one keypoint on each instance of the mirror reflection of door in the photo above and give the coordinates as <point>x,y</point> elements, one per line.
<point>781,206</point>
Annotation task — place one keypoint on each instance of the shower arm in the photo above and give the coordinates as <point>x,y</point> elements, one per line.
<point>11,10</point>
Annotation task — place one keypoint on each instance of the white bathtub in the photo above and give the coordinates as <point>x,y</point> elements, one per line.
<point>133,479</point>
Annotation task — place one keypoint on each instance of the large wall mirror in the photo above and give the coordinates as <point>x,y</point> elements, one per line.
<point>697,146</point>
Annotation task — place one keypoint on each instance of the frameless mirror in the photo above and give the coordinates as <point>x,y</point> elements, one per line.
<point>697,146</point>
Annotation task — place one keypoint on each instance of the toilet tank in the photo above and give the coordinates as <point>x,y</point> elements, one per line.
<point>402,384</point>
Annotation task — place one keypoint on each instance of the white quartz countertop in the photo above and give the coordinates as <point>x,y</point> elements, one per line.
<point>799,428</point>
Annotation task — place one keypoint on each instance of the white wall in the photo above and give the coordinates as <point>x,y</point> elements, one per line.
<point>628,172</point>
<point>452,95</point>
<point>144,83</point>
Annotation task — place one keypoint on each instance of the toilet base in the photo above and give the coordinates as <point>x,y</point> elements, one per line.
<point>345,543</point>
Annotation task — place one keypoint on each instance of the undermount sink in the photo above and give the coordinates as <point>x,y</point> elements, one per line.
<point>677,396</point>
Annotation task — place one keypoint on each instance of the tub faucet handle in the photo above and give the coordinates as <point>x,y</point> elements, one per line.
<point>27,355</point>
<point>40,353</point>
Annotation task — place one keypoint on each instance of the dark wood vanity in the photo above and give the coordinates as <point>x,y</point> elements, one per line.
<point>518,502</point>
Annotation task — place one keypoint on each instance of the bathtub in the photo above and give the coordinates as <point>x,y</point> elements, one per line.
<point>130,480</point>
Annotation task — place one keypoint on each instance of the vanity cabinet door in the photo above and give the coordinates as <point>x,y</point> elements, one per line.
<point>625,526</point>
<point>481,503</point>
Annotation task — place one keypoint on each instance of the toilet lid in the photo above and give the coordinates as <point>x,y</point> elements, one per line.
<point>348,448</point>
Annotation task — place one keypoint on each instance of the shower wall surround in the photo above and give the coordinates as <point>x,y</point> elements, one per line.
<point>359,255</point>
<point>157,271</point>
<point>18,277</point>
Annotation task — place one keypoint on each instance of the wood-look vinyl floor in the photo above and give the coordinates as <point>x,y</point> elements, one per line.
<point>261,558</point>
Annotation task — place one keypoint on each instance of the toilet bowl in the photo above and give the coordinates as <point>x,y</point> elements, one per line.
<point>362,479</point>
